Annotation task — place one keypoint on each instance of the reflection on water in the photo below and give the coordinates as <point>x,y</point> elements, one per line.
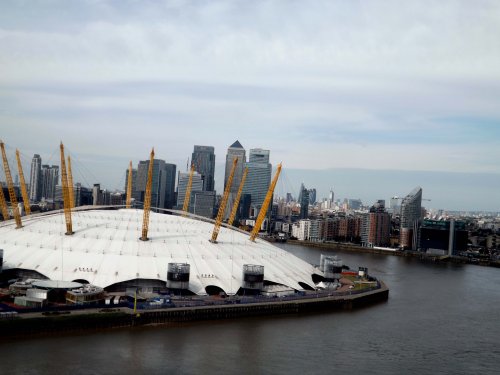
<point>440,319</point>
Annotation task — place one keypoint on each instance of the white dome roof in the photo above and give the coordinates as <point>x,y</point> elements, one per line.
<point>105,249</point>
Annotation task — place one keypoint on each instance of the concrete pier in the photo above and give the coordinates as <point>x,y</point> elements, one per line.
<point>92,320</point>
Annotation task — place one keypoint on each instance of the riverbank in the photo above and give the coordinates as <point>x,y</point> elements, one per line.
<point>94,320</point>
<point>352,248</point>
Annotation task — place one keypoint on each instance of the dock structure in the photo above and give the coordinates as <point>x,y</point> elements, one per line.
<point>99,319</point>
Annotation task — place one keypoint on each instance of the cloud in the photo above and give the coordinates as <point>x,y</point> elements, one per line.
<point>379,84</point>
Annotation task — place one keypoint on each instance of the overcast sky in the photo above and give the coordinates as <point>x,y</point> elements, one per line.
<point>411,85</point>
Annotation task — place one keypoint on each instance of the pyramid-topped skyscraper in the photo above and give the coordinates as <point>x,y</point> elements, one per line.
<point>235,150</point>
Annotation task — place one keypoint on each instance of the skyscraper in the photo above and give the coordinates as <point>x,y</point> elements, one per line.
<point>49,177</point>
<point>170,173</point>
<point>236,150</point>
<point>304,202</point>
<point>312,196</point>
<point>162,189</point>
<point>411,211</point>
<point>258,177</point>
<point>299,199</point>
<point>330,203</point>
<point>203,158</point>
<point>36,178</point>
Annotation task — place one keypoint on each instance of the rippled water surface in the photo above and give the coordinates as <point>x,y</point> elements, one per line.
<point>440,319</point>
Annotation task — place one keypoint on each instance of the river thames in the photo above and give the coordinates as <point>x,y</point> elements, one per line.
<point>439,319</point>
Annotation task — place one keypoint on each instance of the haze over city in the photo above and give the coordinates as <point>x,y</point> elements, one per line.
<point>370,98</point>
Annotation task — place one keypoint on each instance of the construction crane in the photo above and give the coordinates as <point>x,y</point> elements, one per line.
<point>70,184</point>
<point>67,203</point>
<point>3,205</point>
<point>187,197</point>
<point>265,205</point>
<point>222,207</point>
<point>10,185</point>
<point>238,196</point>
<point>147,198</point>
<point>24,192</point>
<point>129,186</point>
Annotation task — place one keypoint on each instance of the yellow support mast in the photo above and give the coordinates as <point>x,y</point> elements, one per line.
<point>265,205</point>
<point>24,191</point>
<point>147,198</point>
<point>222,207</point>
<point>187,197</point>
<point>67,203</point>
<point>70,185</point>
<point>238,196</point>
<point>3,205</point>
<point>129,186</point>
<point>10,185</point>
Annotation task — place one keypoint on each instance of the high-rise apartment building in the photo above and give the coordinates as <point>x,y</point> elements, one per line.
<point>36,179</point>
<point>203,158</point>
<point>376,226</point>
<point>411,212</point>
<point>350,228</point>
<point>49,177</point>
<point>258,177</point>
<point>236,150</point>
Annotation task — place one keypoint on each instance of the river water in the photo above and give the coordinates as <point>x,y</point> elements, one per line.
<point>439,319</point>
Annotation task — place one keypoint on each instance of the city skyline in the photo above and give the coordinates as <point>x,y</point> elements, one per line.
<point>375,86</point>
<point>452,191</point>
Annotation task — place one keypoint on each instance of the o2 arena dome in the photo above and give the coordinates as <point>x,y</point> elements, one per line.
<point>105,250</point>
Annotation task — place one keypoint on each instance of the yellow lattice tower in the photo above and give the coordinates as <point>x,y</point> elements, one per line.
<point>238,196</point>
<point>3,205</point>
<point>67,203</point>
<point>70,185</point>
<point>10,185</point>
<point>187,197</point>
<point>222,207</point>
<point>147,198</point>
<point>265,205</point>
<point>24,191</point>
<point>129,186</point>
